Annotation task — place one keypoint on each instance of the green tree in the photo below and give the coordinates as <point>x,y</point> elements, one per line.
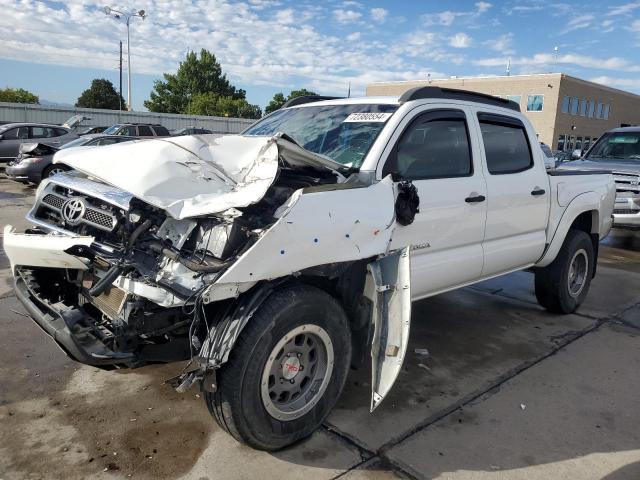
<point>101,94</point>
<point>17,95</point>
<point>195,76</point>
<point>214,105</point>
<point>279,99</point>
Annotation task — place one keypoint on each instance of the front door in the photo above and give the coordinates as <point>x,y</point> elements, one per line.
<point>11,140</point>
<point>437,151</point>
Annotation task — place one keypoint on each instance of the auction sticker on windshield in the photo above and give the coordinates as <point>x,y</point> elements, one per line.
<point>368,117</point>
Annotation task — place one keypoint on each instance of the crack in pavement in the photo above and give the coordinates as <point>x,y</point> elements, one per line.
<point>486,392</point>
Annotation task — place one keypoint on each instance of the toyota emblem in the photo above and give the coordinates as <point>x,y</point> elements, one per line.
<point>73,210</point>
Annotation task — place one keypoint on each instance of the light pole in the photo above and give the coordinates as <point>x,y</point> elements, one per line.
<point>117,14</point>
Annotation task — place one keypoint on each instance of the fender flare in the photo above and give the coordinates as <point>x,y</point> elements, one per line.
<point>582,203</point>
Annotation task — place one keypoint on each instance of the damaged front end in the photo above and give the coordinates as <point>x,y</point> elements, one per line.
<point>172,262</point>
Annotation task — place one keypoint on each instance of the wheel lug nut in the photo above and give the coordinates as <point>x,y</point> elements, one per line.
<point>292,381</point>
<point>299,355</point>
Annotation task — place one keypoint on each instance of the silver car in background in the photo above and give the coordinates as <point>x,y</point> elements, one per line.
<point>618,150</point>
<point>12,135</point>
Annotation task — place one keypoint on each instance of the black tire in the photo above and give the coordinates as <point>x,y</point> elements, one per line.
<point>47,172</point>
<point>238,406</point>
<point>552,282</point>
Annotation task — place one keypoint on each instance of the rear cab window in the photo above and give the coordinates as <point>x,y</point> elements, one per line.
<point>145,131</point>
<point>506,144</point>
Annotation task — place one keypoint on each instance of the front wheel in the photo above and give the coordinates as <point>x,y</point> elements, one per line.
<point>563,285</point>
<point>54,169</point>
<point>286,371</point>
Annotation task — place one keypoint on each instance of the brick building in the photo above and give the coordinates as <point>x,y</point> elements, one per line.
<point>567,112</point>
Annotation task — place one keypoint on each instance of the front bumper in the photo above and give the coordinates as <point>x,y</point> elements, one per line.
<point>25,173</point>
<point>73,329</point>
<point>626,211</point>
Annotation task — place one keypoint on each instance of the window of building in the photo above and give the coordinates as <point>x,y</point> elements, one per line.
<point>579,143</point>
<point>587,143</point>
<point>436,145</point>
<point>561,140</point>
<point>592,108</point>
<point>506,144</point>
<point>583,107</point>
<point>566,100</point>
<point>514,98</point>
<point>607,109</point>
<point>599,110</point>
<point>535,103</point>
<point>574,105</point>
<point>572,142</point>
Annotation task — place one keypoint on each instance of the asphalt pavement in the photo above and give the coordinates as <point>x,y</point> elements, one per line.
<point>493,387</point>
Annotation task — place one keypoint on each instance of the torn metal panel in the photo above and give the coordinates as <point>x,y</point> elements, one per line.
<point>320,228</point>
<point>388,286</point>
<point>43,250</point>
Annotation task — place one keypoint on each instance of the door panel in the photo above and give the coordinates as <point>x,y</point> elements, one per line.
<point>447,233</point>
<point>516,217</point>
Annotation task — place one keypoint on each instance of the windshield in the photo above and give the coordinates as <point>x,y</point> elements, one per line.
<point>112,130</point>
<point>343,133</point>
<point>78,142</point>
<point>617,146</point>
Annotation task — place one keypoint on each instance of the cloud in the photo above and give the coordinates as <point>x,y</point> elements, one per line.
<point>576,23</point>
<point>501,44</point>
<point>624,9</point>
<point>635,26</point>
<point>617,81</point>
<point>257,42</point>
<point>346,16</point>
<point>483,6</point>
<point>460,40</point>
<point>379,14</point>
<point>541,60</point>
<point>447,17</point>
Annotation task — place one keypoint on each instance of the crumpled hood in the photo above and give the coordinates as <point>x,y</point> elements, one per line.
<point>191,176</point>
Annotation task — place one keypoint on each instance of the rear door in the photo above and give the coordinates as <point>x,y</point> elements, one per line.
<point>436,150</point>
<point>518,199</point>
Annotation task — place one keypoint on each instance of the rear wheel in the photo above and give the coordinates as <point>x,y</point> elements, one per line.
<point>563,285</point>
<point>286,370</point>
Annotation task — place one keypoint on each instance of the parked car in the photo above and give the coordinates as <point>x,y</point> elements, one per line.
<point>275,259</point>
<point>12,135</point>
<point>562,156</point>
<point>36,160</point>
<point>191,131</point>
<point>618,150</point>
<point>91,130</point>
<point>138,130</point>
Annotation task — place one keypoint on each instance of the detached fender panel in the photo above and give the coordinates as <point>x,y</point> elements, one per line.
<point>388,286</point>
<point>43,250</point>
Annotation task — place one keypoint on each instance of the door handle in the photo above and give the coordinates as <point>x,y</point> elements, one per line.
<point>476,199</point>
<point>537,191</point>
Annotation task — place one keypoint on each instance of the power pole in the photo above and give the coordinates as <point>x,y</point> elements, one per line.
<point>120,99</point>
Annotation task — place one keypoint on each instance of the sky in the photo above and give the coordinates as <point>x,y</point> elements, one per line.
<point>55,49</point>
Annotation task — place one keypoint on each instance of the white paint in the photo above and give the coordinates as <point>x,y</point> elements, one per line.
<point>42,250</point>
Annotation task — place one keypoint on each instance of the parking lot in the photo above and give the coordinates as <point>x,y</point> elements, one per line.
<point>493,387</point>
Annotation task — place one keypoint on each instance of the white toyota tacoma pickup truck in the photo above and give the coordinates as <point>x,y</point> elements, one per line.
<point>275,259</point>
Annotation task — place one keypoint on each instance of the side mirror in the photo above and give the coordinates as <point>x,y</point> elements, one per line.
<point>576,154</point>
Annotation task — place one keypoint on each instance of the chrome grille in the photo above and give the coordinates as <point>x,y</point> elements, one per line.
<point>95,217</point>
<point>99,218</point>
<point>53,200</point>
<point>625,211</point>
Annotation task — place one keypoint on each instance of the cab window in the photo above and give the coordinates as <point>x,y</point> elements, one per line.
<point>435,145</point>
<point>506,144</point>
